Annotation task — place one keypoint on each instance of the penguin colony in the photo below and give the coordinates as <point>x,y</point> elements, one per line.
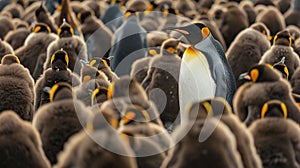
<point>150,83</point>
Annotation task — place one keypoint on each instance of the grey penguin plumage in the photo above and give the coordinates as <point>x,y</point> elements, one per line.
<point>163,74</point>
<point>21,143</point>
<point>58,72</point>
<point>266,84</point>
<point>276,137</point>
<point>130,41</point>
<point>282,47</point>
<point>73,45</point>
<point>33,53</point>
<point>113,16</point>
<point>97,35</point>
<point>17,88</point>
<point>247,49</point>
<point>70,114</point>
<point>220,109</point>
<point>215,77</point>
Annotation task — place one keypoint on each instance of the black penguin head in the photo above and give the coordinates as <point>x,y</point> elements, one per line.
<point>194,33</point>
<point>274,108</point>
<point>129,13</point>
<point>283,38</point>
<point>171,11</point>
<point>59,60</point>
<point>60,91</point>
<point>41,9</point>
<point>88,73</point>
<point>261,73</point>
<point>261,27</point>
<point>280,66</point>
<point>100,92</point>
<point>41,27</point>
<point>65,30</point>
<point>10,59</point>
<point>134,114</point>
<point>100,63</point>
<point>169,46</point>
<point>82,16</point>
<point>210,107</point>
<point>102,120</point>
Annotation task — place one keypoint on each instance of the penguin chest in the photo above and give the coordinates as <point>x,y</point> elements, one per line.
<point>195,79</point>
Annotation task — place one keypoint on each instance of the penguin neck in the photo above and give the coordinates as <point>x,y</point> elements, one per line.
<point>296,5</point>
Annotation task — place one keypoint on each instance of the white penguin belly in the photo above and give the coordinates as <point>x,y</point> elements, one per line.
<point>195,81</point>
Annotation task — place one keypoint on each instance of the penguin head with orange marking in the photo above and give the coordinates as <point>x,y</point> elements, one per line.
<point>59,60</point>
<point>194,33</point>
<point>274,108</point>
<point>61,91</point>
<point>261,73</point>
<point>210,107</point>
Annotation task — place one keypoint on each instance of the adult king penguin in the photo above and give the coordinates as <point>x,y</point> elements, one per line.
<point>204,72</point>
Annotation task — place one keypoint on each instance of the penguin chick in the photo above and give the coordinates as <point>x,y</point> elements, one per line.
<point>156,38</point>
<point>204,151</point>
<point>234,20</point>
<point>136,121</point>
<point>17,38</point>
<point>97,36</point>
<point>272,18</point>
<point>295,81</point>
<point>273,129</point>
<point>266,84</point>
<point>220,109</point>
<point>163,74</point>
<point>21,143</point>
<point>247,49</point>
<point>88,73</point>
<point>58,72</point>
<point>73,45</point>
<point>70,114</point>
<point>100,148</point>
<point>91,79</point>
<point>282,48</point>
<point>128,46</point>
<point>43,16</point>
<point>103,65</point>
<point>17,92</point>
<point>139,68</point>
<point>15,10</point>
<point>5,49</point>
<point>5,26</point>
<point>33,54</point>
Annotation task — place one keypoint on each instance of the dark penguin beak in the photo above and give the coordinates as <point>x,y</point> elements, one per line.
<point>245,76</point>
